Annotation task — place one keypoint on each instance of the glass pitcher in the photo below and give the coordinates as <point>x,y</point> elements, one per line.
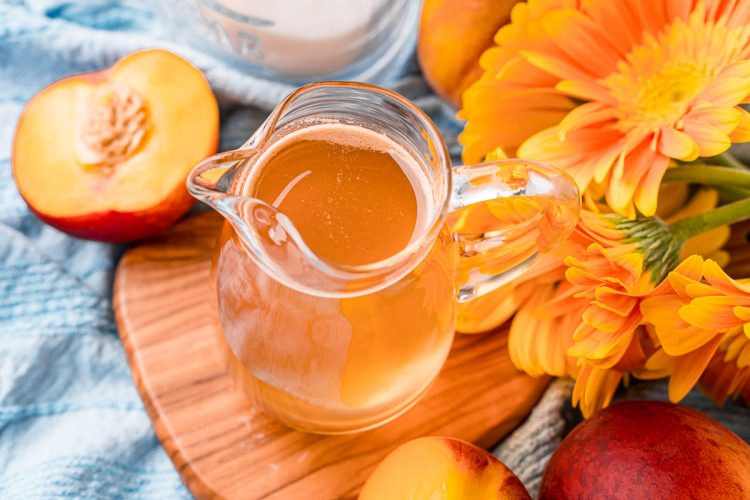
<point>333,348</point>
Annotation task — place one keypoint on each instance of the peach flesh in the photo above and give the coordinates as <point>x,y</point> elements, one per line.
<point>121,184</point>
<point>442,468</point>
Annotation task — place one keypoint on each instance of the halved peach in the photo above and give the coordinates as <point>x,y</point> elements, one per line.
<point>105,155</point>
<point>442,468</point>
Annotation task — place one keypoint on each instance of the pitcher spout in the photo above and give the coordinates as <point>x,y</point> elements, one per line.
<point>269,237</point>
<point>212,180</point>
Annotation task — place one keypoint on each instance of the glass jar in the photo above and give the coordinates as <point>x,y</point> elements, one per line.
<point>300,41</point>
<point>333,348</point>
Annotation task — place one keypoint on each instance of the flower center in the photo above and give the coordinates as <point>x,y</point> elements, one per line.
<point>660,80</point>
<point>664,95</point>
<point>653,93</point>
<point>112,126</point>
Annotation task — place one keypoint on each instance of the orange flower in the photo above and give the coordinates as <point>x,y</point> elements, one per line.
<point>611,90</point>
<point>540,336</point>
<point>588,324</point>
<point>697,309</point>
<point>738,246</point>
<point>595,388</point>
<point>614,275</point>
<point>612,279</point>
<point>728,372</point>
<point>582,317</point>
<point>526,234</point>
<point>600,274</point>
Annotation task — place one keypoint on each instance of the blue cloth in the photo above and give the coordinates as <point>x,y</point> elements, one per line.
<point>71,421</point>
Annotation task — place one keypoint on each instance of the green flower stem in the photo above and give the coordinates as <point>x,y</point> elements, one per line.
<point>697,224</point>
<point>731,193</point>
<point>709,175</point>
<point>728,160</point>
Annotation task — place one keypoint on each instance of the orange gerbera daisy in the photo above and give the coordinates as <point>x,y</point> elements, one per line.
<point>697,309</point>
<point>611,90</point>
<point>590,326</point>
<point>728,372</point>
<point>619,269</point>
<point>540,335</point>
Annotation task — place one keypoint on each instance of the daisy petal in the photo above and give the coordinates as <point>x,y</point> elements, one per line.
<point>647,195</point>
<point>739,69</point>
<point>586,90</point>
<point>742,312</point>
<point>704,199</point>
<point>589,43</point>
<point>718,278</point>
<point>676,144</point>
<point>710,140</point>
<point>565,70</point>
<point>623,34</point>
<point>652,15</point>
<point>659,365</point>
<point>726,91</point>
<point>597,388</point>
<point>725,119</point>
<point>688,369</point>
<point>706,243</point>
<point>742,132</point>
<point>711,313</point>
<point>585,115</point>
<point>518,71</point>
<point>685,341</point>
<point>678,9</point>
<point>680,282</point>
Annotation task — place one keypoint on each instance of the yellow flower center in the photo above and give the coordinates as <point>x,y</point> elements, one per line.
<point>663,96</point>
<point>658,80</point>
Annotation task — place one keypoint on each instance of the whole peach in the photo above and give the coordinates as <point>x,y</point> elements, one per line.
<point>453,34</point>
<point>650,450</point>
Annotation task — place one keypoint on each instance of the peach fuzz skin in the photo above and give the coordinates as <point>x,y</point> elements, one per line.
<point>121,227</point>
<point>453,34</point>
<point>116,205</point>
<point>442,468</point>
<point>648,449</point>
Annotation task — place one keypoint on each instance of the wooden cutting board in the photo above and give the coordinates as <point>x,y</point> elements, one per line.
<point>222,446</point>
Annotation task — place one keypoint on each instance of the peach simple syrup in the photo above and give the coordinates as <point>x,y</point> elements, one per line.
<point>339,364</point>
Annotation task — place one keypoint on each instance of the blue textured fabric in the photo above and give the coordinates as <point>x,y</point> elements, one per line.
<point>71,421</point>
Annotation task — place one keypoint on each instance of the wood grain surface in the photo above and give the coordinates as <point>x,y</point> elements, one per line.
<point>224,448</point>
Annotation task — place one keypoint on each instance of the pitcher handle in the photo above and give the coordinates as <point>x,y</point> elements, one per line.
<point>505,214</point>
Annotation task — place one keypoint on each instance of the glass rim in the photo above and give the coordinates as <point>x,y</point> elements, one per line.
<point>429,231</point>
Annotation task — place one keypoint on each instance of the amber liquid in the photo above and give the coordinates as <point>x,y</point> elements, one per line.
<point>334,365</point>
<point>353,203</point>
